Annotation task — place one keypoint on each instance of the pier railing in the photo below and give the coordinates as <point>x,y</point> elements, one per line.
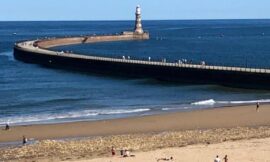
<point>28,46</point>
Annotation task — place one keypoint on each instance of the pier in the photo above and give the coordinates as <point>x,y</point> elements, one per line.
<point>38,52</point>
<point>40,47</point>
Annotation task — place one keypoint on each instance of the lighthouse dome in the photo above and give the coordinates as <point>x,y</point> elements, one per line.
<point>138,9</point>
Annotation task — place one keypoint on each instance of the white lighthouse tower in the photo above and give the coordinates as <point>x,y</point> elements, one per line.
<point>138,32</point>
<point>138,23</point>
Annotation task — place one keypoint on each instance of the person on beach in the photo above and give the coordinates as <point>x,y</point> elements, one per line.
<point>217,159</point>
<point>7,127</point>
<point>24,140</point>
<point>126,153</point>
<point>257,106</point>
<point>113,151</point>
<point>122,152</point>
<point>225,158</point>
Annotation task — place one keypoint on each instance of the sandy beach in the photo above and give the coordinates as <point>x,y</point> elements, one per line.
<point>255,150</point>
<point>141,134</point>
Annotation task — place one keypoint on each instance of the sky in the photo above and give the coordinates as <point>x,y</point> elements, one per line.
<point>39,10</point>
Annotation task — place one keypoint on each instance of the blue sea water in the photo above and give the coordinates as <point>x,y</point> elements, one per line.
<point>31,94</point>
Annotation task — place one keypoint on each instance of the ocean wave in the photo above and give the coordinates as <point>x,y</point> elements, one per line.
<point>245,102</point>
<point>174,108</point>
<point>205,102</point>
<point>166,109</point>
<point>50,117</point>
<point>211,102</point>
<point>8,54</point>
<point>111,112</point>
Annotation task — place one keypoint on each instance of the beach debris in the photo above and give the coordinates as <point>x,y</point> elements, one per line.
<point>165,159</point>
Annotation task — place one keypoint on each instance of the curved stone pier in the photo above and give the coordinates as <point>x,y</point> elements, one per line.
<point>37,51</point>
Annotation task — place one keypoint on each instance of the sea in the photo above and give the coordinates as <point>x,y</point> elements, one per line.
<point>33,94</point>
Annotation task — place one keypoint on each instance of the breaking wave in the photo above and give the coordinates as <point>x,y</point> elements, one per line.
<point>213,102</point>
<point>244,102</point>
<point>205,102</point>
<point>174,108</point>
<point>50,117</point>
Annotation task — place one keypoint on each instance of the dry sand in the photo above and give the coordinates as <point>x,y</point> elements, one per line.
<point>255,150</point>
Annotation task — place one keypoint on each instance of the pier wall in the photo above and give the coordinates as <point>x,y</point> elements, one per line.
<point>182,73</point>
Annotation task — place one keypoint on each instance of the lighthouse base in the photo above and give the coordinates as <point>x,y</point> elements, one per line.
<point>143,36</point>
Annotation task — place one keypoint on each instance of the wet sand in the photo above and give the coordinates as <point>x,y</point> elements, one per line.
<point>230,117</point>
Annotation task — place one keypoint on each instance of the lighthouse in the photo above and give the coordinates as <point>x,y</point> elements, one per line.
<point>138,23</point>
<point>138,32</point>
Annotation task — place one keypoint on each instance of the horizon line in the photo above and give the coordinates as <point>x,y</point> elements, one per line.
<point>134,20</point>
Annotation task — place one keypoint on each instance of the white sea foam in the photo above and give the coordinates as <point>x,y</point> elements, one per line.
<point>123,111</point>
<point>244,102</point>
<point>49,117</point>
<point>205,102</point>
<point>174,108</point>
<point>166,109</point>
<point>213,102</point>
<point>8,54</point>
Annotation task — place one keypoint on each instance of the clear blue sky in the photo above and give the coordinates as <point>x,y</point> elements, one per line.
<point>124,9</point>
